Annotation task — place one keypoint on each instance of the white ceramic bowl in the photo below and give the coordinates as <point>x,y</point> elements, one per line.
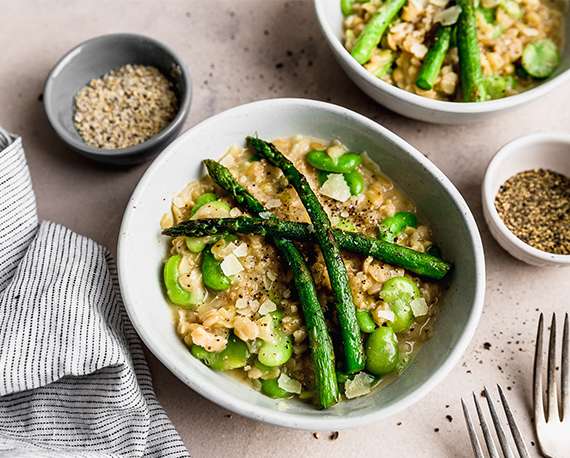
<point>546,151</point>
<point>142,249</point>
<point>414,106</point>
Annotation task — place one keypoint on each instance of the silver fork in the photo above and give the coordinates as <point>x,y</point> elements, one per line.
<point>553,425</point>
<point>487,435</point>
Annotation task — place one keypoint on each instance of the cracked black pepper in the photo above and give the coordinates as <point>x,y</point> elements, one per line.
<point>535,206</point>
<point>124,107</point>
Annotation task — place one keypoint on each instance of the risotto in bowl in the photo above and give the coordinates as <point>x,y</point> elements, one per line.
<point>463,59</point>
<point>305,277</point>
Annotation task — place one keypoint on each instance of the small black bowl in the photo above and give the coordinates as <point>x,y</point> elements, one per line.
<point>92,59</point>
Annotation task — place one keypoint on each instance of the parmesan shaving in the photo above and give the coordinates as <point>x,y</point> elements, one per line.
<point>231,265</point>
<point>267,306</point>
<point>448,16</point>
<point>419,307</point>
<point>241,250</point>
<point>360,385</point>
<point>336,188</point>
<point>288,384</point>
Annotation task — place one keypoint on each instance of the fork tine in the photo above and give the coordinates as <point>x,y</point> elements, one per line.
<point>537,394</point>
<point>472,434</point>
<point>503,441</point>
<point>565,382</point>
<point>493,453</point>
<point>517,436</point>
<point>551,387</point>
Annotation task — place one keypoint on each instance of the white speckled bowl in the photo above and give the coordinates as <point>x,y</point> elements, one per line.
<point>546,151</point>
<point>414,106</point>
<point>142,250</point>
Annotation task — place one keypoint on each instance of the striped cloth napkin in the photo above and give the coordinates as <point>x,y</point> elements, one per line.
<point>73,378</point>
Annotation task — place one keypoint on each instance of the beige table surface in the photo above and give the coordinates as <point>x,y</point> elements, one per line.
<point>244,50</point>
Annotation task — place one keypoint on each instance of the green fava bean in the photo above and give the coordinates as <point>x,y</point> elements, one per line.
<point>203,200</point>
<point>213,209</point>
<point>391,227</point>
<point>403,315</point>
<point>212,274</point>
<point>496,87</point>
<point>382,352</point>
<point>541,58</point>
<point>232,357</point>
<point>277,353</point>
<point>399,292</point>
<point>221,205</point>
<point>365,321</point>
<point>266,370</point>
<point>399,288</point>
<point>197,244</point>
<point>207,357</point>
<point>272,389</point>
<point>346,7</point>
<point>344,164</point>
<point>176,294</point>
<point>355,182</point>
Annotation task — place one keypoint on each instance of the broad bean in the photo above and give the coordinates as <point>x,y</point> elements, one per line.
<point>276,353</point>
<point>176,294</point>
<point>365,321</point>
<point>344,164</point>
<point>233,356</point>
<point>203,200</point>
<point>399,292</point>
<point>197,244</point>
<point>212,274</point>
<point>355,182</point>
<point>214,209</point>
<point>392,226</point>
<point>272,389</point>
<point>346,7</point>
<point>382,352</point>
<point>541,58</point>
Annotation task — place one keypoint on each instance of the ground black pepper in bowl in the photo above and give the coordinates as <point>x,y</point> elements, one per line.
<point>535,206</point>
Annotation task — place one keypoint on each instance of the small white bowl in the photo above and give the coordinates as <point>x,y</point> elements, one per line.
<point>142,250</point>
<point>537,151</point>
<point>415,106</point>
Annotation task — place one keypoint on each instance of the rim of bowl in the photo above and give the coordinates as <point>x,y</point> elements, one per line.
<point>436,105</point>
<point>274,416</point>
<point>181,114</point>
<point>509,149</point>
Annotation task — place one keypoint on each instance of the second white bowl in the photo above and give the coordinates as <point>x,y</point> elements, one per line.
<point>412,105</point>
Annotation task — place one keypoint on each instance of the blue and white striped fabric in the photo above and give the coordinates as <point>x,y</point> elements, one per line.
<point>73,378</point>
